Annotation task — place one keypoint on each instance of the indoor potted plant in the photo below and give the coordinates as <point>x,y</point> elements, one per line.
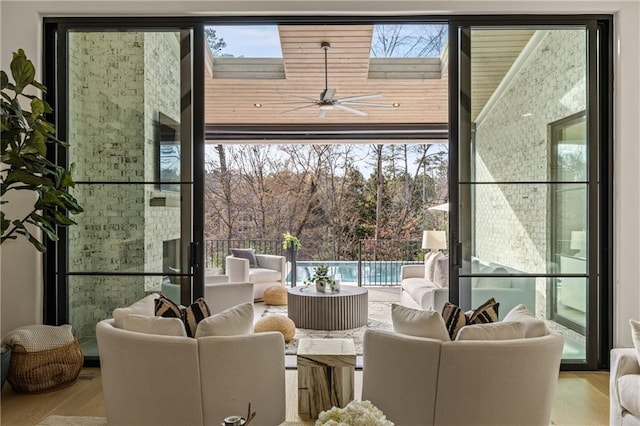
<point>25,167</point>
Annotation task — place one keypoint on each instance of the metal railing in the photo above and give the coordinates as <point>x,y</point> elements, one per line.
<point>217,250</point>
<point>378,263</point>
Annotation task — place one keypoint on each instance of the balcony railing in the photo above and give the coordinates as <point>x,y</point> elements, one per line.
<point>378,262</point>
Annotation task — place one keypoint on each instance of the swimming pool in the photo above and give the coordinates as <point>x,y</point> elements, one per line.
<point>371,273</point>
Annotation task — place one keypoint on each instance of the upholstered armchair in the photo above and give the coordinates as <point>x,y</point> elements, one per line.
<point>624,380</point>
<point>421,381</point>
<point>267,270</point>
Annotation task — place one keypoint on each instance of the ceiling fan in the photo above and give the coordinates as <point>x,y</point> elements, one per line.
<point>327,100</point>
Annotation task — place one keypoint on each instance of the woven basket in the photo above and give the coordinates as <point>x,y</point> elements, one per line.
<point>45,371</point>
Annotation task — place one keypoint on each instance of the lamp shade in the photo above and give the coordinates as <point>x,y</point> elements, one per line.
<point>434,240</point>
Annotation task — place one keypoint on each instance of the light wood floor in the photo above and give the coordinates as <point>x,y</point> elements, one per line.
<point>581,399</point>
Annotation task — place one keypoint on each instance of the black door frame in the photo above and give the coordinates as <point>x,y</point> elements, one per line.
<point>55,293</point>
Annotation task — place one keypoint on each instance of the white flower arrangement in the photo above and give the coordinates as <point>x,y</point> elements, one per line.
<point>356,413</point>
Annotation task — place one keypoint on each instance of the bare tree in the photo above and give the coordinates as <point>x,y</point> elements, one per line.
<point>408,40</point>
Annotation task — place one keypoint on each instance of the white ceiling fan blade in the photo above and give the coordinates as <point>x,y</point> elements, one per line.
<point>357,98</point>
<point>329,94</point>
<point>309,102</point>
<point>367,104</point>
<point>351,110</point>
<point>322,113</point>
<point>305,97</point>
<point>295,109</point>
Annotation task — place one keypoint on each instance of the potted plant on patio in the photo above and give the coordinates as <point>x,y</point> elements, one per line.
<point>291,244</point>
<point>321,279</point>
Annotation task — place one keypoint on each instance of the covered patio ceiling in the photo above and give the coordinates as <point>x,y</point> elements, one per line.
<point>419,85</point>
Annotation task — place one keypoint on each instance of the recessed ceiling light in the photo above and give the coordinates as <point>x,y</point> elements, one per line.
<point>396,104</point>
<point>257,105</point>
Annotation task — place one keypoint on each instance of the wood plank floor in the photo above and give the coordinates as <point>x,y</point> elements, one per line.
<point>581,399</point>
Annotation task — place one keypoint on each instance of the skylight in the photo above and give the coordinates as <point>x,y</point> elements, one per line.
<point>245,41</point>
<point>408,40</point>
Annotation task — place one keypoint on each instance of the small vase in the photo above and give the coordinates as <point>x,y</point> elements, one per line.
<point>321,287</point>
<point>335,285</point>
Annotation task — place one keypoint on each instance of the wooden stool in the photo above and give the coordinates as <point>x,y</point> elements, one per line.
<point>333,385</point>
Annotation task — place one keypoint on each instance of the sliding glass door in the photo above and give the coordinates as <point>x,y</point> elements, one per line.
<point>126,100</point>
<point>530,204</point>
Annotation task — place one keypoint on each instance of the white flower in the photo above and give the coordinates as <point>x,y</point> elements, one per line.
<point>356,413</point>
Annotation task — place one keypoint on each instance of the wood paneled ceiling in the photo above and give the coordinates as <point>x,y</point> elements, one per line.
<point>420,86</point>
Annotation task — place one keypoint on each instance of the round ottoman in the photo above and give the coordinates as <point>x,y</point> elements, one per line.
<point>276,323</point>
<point>275,295</point>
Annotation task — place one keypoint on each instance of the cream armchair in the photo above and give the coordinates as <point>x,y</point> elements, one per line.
<point>155,380</point>
<point>271,270</point>
<point>420,381</point>
<point>624,387</point>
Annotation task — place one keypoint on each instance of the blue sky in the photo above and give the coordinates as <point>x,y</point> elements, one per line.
<point>250,41</point>
<point>262,41</point>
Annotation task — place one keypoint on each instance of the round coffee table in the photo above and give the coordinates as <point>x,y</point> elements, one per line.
<point>341,310</point>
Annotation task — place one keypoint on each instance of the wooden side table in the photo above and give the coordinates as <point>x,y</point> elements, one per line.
<point>326,369</point>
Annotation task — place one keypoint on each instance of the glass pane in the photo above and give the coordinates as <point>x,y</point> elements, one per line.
<point>561,304</point>
<point>522,82</point>
<point>93,298</point>
<point>124,106</point>
<point>523,167</point>
<point>127,228</point>
<point>513,226</point>
<point>129,133</point>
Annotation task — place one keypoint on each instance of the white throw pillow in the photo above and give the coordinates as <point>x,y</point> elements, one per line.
<point>144,306</point>
<point>418,323</point>
<point>492,331</point>
<point>430,265</point>
<point>635,335</point>
<point>441,271</point>
<point>154,325</point>
<point>534,327</point>
<point>427,263</point>
<point>230,322</point>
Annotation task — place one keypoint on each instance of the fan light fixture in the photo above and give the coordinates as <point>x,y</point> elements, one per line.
<point>327,100</point>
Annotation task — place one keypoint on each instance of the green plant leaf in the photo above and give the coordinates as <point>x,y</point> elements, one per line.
<point>37,107</point>
<point>36,144</point>
<point>4,223</point>
<point>22,70</point>
<point>62,219</point>
<point>37,244</point>
<point>4,80</point>
<point>26,177</point>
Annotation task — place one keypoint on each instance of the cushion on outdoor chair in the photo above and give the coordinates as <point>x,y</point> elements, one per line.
<point>249,254</point>
<point>262,275</point>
